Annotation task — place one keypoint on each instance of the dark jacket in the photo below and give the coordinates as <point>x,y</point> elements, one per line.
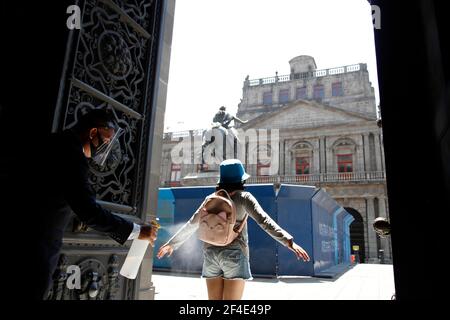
<point>61,187</point>
<point>69,190</point>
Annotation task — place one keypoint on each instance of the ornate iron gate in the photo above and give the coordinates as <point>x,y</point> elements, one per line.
<point>111,63</point>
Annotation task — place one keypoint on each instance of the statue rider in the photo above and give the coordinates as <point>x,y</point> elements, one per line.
<point>221,121</point>
<point>224,118</point>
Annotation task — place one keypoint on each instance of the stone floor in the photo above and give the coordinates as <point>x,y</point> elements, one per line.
<point>359,282</point>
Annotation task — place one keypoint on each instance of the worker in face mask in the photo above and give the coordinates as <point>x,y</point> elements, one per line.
<point>64,167</point>
<point>101,142</point>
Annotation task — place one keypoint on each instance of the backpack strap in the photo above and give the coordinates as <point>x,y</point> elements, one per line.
<point>227,195</point>
<point>241,226</point>
<point>223,191</point>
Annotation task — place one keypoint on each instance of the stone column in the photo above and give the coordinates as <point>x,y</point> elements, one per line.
<point>275,93</point>
<point>282,157</point>
<point>144,288</point>
<point>316,157</point>
<point>378,152</point>
<point>292,91</point>
<point>329,160</point>
<point>372,236</point>
<point>323,168</point>
<point>382,206</point>
<point>383,163</point>
<point>288,157</point>
<point>367,167</point>
<point>359,165</point>
<point>385,242</point>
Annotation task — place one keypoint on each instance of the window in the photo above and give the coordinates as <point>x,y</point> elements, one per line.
<point>264,161</point>
<point>301,93</point>
<point>175,175</point>
<point>263,169</point>
<point>284,96</point>
<point>344,149</point>
<point>345,162</point>
<point>267,98</point>
<point>302,153</point>
<point>319,92</point>
<point>302,165</point>
<point>336,89</point>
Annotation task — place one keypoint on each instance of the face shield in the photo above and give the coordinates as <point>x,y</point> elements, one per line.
<point>108,139</point>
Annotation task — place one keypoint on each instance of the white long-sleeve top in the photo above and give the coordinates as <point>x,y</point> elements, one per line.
<point>245,203</point>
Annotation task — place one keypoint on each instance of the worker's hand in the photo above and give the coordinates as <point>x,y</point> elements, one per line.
<point>148,232</point>
<point>299,251</point>
<point>165,249</point>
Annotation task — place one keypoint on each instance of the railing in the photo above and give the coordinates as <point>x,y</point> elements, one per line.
<point>181,134</point>
<point>322,178</point>
<point>304,75</point>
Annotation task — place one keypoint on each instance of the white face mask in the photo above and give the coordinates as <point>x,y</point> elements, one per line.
<point>101,153</point>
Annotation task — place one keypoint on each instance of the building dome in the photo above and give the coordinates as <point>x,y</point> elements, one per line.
<point>302,64</point>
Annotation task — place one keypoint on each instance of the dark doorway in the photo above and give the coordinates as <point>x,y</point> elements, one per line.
<point>357,235</point>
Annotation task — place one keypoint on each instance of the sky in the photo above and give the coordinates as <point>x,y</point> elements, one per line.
<point>217,43</point>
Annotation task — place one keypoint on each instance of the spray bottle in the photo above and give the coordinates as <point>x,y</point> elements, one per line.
<point>134,258</point>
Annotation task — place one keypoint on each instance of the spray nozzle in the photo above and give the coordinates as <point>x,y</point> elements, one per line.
<point>155,223</point>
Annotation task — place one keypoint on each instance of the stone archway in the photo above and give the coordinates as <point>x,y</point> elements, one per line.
<point>357,233</point>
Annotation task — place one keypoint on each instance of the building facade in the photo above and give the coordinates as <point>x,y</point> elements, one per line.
<point>323,130</point>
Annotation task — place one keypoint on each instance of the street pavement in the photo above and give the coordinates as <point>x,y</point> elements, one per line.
<point>358,282</point>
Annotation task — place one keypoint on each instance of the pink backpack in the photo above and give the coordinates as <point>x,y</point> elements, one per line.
<point>218,220</point>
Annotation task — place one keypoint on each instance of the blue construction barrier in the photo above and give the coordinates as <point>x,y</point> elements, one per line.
<point>189,257</point>
<point>323,208</point>
<point>346,238</point>
<point>165,213</point>
<point>263,249</point>
<point>294,216</point>
<point>310,215</point>
<point>338,220</point>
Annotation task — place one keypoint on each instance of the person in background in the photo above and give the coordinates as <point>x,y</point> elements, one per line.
<point>226,268</point>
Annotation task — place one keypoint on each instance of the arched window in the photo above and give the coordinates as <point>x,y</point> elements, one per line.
<point>344,152</point>
<point>302,158</point>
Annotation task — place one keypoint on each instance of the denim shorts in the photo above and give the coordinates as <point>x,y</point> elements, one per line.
<point>225,262</point>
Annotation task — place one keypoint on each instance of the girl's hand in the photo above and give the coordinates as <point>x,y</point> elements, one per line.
<point>299,251</point>
<point>165,249</point>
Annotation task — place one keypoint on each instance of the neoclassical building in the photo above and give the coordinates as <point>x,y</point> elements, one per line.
<point>323,131</point>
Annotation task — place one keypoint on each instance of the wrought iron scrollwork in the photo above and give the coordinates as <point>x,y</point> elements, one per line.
<point>112,55</point>
<point>97,281</point>
<point>113,276</point>
<point>94,281</point>
<point>58,288</point>
<point>115,48</point>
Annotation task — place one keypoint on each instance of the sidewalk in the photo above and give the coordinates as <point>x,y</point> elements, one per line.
<point>360,282</point>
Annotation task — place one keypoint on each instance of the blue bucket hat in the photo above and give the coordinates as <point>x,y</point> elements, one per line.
<point>232,171</point>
